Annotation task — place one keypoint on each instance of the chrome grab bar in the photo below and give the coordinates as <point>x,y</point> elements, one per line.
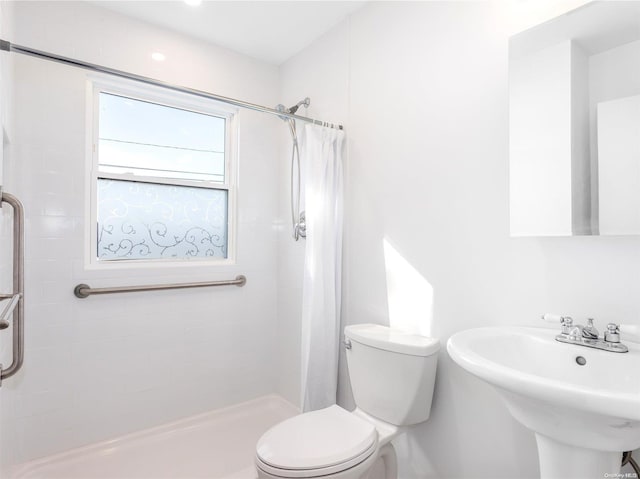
<point>16,303</point>
<point>84,290</point>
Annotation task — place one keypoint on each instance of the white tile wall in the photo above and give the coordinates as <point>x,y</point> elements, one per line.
<point>104,366</point>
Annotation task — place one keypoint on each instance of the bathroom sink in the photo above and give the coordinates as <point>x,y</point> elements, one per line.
<point>582,403</point>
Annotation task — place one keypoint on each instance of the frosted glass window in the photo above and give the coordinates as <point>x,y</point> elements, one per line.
<point>162,177</point>
<point>143,138</point>
<point>150,221</point>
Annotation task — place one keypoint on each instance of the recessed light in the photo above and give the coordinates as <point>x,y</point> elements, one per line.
<point>193,3</point>
<point>159,57</point>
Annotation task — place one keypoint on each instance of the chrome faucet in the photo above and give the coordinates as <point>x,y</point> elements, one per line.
<point>588,335</point>
<point>590,331</point>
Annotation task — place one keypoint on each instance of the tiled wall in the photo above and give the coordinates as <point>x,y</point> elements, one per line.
<point>103,366</point>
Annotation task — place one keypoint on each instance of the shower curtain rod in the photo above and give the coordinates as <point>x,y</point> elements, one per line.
<point>11,47</point>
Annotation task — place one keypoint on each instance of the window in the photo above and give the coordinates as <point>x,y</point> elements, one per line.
<point>161,178</point>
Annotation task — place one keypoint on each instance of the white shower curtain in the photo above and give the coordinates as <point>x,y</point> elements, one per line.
<point>321,155</point>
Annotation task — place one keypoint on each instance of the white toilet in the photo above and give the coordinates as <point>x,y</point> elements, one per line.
<point>392,376</point>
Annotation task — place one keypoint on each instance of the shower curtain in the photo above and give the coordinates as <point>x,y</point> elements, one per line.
<point>321,154</point>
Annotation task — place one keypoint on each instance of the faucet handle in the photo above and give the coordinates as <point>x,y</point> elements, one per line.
<point>552,318</point>
<point>612,334</point>
<point>567,324</point>
<point>556,318</point>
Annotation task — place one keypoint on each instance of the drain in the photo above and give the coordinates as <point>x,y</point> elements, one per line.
<point>581,360</point>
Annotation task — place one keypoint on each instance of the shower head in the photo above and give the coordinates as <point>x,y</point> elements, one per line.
<point>292,110</point>
<point>306,102</point>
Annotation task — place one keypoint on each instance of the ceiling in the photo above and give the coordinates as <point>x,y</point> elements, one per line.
<point>271,31</point>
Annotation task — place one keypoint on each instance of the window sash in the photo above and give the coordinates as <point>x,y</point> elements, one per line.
<point>163,181</point>
<point>147,136</point>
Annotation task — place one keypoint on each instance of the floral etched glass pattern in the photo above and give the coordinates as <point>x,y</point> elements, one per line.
<point>139,220</point>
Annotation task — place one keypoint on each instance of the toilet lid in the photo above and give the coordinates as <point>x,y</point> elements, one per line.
<point>317,439</point>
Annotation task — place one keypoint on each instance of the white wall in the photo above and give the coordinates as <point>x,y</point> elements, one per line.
<point>427,170</point>
<point>103,366</point>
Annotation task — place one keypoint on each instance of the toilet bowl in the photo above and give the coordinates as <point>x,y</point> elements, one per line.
<point>392,376</point>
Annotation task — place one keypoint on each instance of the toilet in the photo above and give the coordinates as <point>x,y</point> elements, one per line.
<point>392,376</point>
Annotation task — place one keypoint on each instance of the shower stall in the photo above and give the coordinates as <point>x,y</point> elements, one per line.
<point>124,359</point>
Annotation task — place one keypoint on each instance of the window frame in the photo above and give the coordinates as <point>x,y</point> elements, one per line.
<point>171,99</point>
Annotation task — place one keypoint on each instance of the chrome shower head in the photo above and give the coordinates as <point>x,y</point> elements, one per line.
<point>292,110</point>
<point>306,102</point>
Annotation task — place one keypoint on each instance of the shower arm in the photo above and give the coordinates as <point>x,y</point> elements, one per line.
<point>293,109</point>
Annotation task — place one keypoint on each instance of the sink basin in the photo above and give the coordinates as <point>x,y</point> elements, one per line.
<point>583,404</point>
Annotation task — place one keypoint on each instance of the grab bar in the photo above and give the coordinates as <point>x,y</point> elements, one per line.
<point>16,304</point>
<point>84,290</point>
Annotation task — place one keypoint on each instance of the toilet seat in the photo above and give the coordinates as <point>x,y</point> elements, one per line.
<point>317,443</point>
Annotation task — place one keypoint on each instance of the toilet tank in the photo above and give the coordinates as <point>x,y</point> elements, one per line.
<point>392,373</point>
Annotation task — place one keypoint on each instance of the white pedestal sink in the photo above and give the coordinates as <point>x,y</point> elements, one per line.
<point>583,416</point>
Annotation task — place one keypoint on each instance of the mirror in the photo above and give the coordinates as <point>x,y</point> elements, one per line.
<point>574,123</point>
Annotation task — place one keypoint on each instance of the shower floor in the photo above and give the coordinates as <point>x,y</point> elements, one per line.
<point>218,445</point>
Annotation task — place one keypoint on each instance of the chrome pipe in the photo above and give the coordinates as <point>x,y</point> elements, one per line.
<point>18,286</point>
<point>12,47</point>
<point>84,290</point>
